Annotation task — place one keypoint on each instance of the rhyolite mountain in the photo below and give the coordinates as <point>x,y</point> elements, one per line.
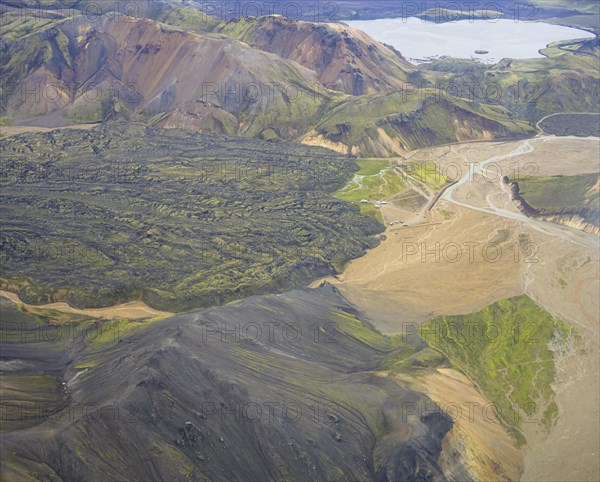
<point>344,58</point>
<point>67,69</point>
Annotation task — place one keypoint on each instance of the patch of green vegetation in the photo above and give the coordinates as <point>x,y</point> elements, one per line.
<point>375,180</point>
<point>186,18</point>
<point>15,25</point>
<point>14,468</point>
<point>117,330</point>
<point>86,364</point>
<point>564,195</point>
<point>505,350</point>
<point>39,327</point>
<point>238,28</point>
<point>411,358</point>
<point>62,43</point>
<point>284,116</point>
<point>550,415</point>
<point>29,399</point>
<point>419,119</point>
<point>566,80</point>
<point>114,331</point>
<point>370,168</point>
<point>559,192</point>
<point>177,219</point>
<point>445,213</point>
<point>89,112</point>
<point>371,210</point>
<point>429,174</point>
<point>350,325</point>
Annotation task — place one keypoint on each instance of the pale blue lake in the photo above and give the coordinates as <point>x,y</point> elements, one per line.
<point>418,40</point>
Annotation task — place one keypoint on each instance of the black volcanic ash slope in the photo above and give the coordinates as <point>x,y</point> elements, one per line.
<point>176,402</point>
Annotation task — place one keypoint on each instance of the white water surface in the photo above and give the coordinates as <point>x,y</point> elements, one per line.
<point>419,40</point>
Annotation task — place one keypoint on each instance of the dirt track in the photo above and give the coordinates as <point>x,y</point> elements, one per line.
<point>134,310</point>
<point>9,131</point>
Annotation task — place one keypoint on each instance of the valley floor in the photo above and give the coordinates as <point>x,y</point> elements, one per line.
<point>132,310</point>
<point>474,248</point>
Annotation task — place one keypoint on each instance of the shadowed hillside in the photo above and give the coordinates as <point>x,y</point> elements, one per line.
<point>199,403</point>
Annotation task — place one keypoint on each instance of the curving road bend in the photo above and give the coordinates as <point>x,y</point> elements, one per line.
<point>551,229</point>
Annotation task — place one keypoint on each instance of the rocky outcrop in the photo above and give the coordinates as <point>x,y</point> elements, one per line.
<point>574,220</point>
<point>518,201</point>
<point>584,219</point>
